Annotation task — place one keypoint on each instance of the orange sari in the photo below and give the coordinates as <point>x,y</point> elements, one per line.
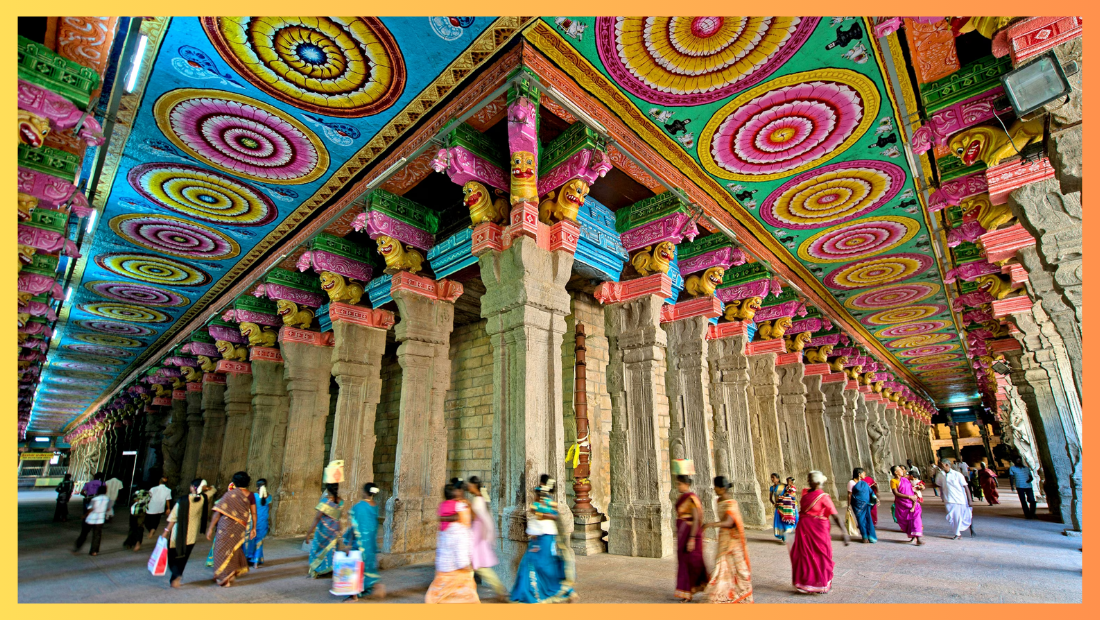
<point>731,581</point>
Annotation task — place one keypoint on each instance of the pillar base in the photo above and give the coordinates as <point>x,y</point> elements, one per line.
<point>640,530</point>
<point>587,538</point>
<point>386,561</point>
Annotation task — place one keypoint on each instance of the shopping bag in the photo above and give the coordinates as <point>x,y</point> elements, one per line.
<point>852,524</point>
<point>158,562</point>
<point>347,573</point>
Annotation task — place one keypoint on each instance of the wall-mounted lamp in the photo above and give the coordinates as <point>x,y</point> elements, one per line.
<point>1037,83</point>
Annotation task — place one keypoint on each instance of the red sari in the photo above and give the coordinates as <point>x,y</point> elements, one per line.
<point>874,508</point>
<point>988,479</point>
<point>691,572</point>
<point>812,551</point>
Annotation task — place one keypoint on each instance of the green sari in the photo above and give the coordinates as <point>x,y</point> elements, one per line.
<point>325,537</point>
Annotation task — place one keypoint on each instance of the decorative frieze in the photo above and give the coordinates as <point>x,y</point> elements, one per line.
<point>358,315</point>
<point>708,307</point>
<point>1003,179</point>
<point>454,253</point>
<point>48,69</point>
<point>599,253</point>
<point>618,292</point>
<point>443,290</point>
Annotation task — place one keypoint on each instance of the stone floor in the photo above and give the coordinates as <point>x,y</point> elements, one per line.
<point>1010,561</point>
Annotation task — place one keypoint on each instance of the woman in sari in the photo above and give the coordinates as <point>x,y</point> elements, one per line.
<point>907,507</point>
<point>454,570</point>
<point>874,489</point>
<point>483,538</point>
<point>812,551</point>
<point>232,515</point>
<point>545,573</point>
<point>774,492</point>
<point>691,572</point>
<point>325,532</point>
<point>254,548</point>
<point>731,581</point>
<point>987,478</point>
<point>859,499</point>
<point>137,520</point>
<point>362,534</point>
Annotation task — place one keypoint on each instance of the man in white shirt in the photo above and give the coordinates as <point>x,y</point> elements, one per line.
<point>159,496</point>
<point>956,498</point>
<point>114,485</point>
<point>964,469</point>
<point>93,521</point>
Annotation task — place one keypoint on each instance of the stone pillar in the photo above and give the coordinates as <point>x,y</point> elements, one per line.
<point>525,304</point>
<point>175,438</point>
<point>764,412</point>
<point>307,370</point>
<point>640,511</point>
<point>420,467</point>
<point>734,454</point>
<point>360,340</point>
<point>267,439</point>
<point>194,437</point>
<point>213,428</point>
<point>855,405</point>
<point>818,434</point>
<point>841,452</point>
<point>793,432</point>
<point>154,421</point>
<point>893,418</point>
<point>690,414</point>
<point>238,426</point>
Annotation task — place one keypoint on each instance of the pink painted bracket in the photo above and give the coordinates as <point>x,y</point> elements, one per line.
<point>1003,244</point>
<point>214,378</point>
<point>522,131</point>
<point>320,260</point>
<point>819,369</point>
<point>725,330</point>
<point>784,359</point>
<point>486,237</point>
<point>722,257</point>
<point>759,347</point>
<point>814,324</point>
<point>756,288</point>
<point>206,349</point>
<point>265,354</point>
<point>618,292</point>
<point>231,367</point>
<point>786,309</point>
<point>953,192</point>
<point>36,284</point>
<point>1011,305</point>
<point>46,240</point>
<point>969,272</point>
<point>674,227</point>
<point>955,118</point>
<point>1016,273</point>
<point>358,315</point>
<point>828,339</point>
<point>440,290</point>
<point>1035,35</point>
<point>708,307</point>
<point>228,334</point>
<point>378,223</point>
<point>52,191</point>
<point>586,164</point>
<point>238,315</point>
<point>61,112</point>
<point>1003,179</point>
<point>289,293</point>
<point>462,166</point>
<point>834,377</point>
<point>1003,345</point>
<point>972,299</point>
<point>305,336</point>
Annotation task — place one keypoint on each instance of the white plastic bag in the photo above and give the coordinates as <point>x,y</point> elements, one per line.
<point>347,573</point>
<point>158,562</point>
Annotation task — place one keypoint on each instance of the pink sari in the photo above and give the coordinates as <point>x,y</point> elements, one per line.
<point>908,511</point>
<point>812,551</point>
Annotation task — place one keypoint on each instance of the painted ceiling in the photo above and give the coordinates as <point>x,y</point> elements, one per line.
<point>242,123</point>
<point>792,122</point>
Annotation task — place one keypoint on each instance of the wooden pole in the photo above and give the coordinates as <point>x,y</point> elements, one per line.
<point>581,483</point>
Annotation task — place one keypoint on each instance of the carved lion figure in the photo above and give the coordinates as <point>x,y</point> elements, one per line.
<point>162,390</point>
<point>770,330</point>
<point>191,375</point>
<point>292,315</point>
<point>26,204</point>
<point>797,342</point>
<point>257,336</point>
<point>653,259</point>
<point>398,257</point>
<point>742,309</point>
<point>818,355</point>
<point>482,206</point>
<point>566,205</point>
<point>524,179</point>
<point>991,145</point>
<point>703,285</point>
<point>33,129</point>
<point>988,215</point>
<point>837,365</point>
<point>26,254</point>
<point>231,352</point>
<point>341,290</point>
<point>207,364</point>
<point>995,284</point>
<point>855,372</point>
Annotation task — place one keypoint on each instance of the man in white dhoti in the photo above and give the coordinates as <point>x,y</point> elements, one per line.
<point>956,498</point>
<point>114,485</point>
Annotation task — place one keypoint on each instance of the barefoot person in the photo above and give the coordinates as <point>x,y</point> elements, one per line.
<point>232,516</point>
<point>187,519</point>
<point>907,506</point>
<point>956,498</point>
<point>812,551</point>
<point>691,572</point>
<point>731,581</point>
<point>362,534</point>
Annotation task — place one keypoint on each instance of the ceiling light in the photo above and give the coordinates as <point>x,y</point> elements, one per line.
<point>1036,84</point>
<point>135,68</point>
<point>42,439</point>
<point>68,294</point>
<point>960,410</point>
<point>91,221</point>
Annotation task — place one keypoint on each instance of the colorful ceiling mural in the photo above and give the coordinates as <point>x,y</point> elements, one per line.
<point>243,127</point>
<point>789,123</point>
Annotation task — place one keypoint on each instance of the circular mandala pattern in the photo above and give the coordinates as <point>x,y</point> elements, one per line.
<point>904,314</point>
<point>113,327</point>
<point>916,341</point>
<point>153,269</point>
<point>892,296</point>
<point>91,349</point>
<point>72,365</point>
<point>75,381</point>
<point>202,194</point>
<point>789,125</point>
<point>175,236</point>
<point>696,60</point>
<point>878,271</point>
<point>94,359</point>
<point>337,66</point>
<point>910,329</point>
<point>241,136</point>
<point>109,340</point>
<point>931,376</point>
<point>137,293</point>
<point>125,312</point>
<point>859,239</point>
<point>929,350</point>
<point>935,359</point>
<point>832,194</point>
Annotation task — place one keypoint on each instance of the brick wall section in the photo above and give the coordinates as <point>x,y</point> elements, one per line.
<point>468,409</point>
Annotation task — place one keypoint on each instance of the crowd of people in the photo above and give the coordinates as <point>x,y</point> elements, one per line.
<point>237,523</point>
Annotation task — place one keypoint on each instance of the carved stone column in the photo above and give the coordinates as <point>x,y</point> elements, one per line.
<point>238,425</point>
<point>764,412</point>
<point>213,428</point>
<point>855,408</point>
<point>840,451</point>
<point>893,416</point>
<point>360,340</point>
<point>640,509</point>
<point>734,454</point>
<point>175,438</point>
<point>154,422</point>
<point>194,436</point>
<point>821,443</point>
<point>525,304</point>
<point>307,369</point>
<point>793,432</point>
<point>269,418</point>
<point>420,468</point>
<point>691,417</point>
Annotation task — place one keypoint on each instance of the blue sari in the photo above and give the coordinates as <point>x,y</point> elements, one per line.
<point>861,506</point>
<point>254,549</point>
<point>545,572</point>
<point>363,535</point>
<point>325,536</point>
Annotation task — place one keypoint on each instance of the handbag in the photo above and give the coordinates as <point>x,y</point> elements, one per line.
<point>158,562</point>
<point>851,523</point>
<point>347,573</point>
<point>874,499</point>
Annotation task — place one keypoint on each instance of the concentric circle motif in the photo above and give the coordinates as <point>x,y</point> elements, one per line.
<point>337,66</point>
<point>175,236</point>
<point>114,327</point>
<point>153,269</point>
<point>76,365</point>
<point>76,381</point>
<point>910,329</point>
<point>82,375</point>
<point>788,125</point>
<point>832,194</point>
<point>929,350</point>
<point>203,195</point>
<point>936,358</point>
<point>878,271</point>
<point>125,312</point>
<point>94,359</point>
<point>859,239</point>
<point>241,136</point>
<point>91,349</point>
<point>904,314</point>
<point>696,60</point>
<point>137,293</point>
<point>109,340</point>
<point>916,341</point>
<point>927,370</point>
<point>892,296</point>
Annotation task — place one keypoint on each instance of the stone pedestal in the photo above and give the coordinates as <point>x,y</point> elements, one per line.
<point>420,468</point>
<point>764,415</point>
<point>793,433</point>
<point>307,370</point>
<point>268,437</point>
<point>842,454</point>
<point>820,444</point>
<point>855,405</point>
<point>525,305</point>
<point>194,437</point>
<point>587,536</point>
<point>641,520</point>
<point>213,428</point>
<point>175,439</point>
<point>734,454</point>
<point>360,340</point>
<point>238,428</point>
